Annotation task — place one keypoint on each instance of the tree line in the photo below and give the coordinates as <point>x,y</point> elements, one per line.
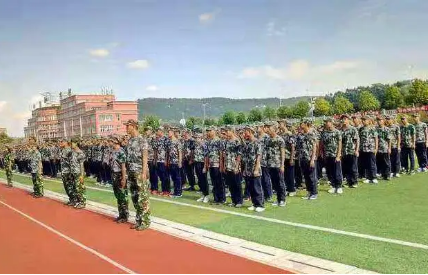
<point>360,99</point>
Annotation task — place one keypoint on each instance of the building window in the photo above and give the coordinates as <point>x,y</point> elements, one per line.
<point>104,118</point>
<point>118,117</point>
<point>106,128</point>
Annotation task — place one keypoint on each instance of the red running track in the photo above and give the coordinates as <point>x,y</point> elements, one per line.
<point>28,247</point>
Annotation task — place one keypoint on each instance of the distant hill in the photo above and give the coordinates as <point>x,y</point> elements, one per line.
<point>171,109</point>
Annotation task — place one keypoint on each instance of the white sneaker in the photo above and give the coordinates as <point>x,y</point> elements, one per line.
<point>397,175</point>
<point>201,199</point>
<point>206,199</point>
<point>366,181</point>
<point>375,181</point>
<point>282,203</point>
<point>275,204</point>
<point>392,175</point>
<point>420,170</point>
<point>251,208</point>
<point>339,191</point>
<point>260,209</point>
<point>292,194</point>
<point>424,169</point>
<point>332,190</point>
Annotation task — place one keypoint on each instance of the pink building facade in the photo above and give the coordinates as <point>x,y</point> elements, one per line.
<point>43,123</point>
<point>94,115</point>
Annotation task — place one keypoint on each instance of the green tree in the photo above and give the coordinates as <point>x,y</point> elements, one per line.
<point>393,98</point>
<point>418,92</point>
<point>285,112</point>
<point>152,121</point>
<point>209,122</point>
<point>255,115</point>
<point>241,118</point>
<point>191,122</point>
<point>269,113</point>
<point>341,105</point>
<point>367,101</point>
<point>5,139</point>
<point>301,109</point>
<point>322,107</point>
<point>228,118</point>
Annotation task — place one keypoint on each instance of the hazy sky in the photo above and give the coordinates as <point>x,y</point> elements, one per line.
<point>230,48</point>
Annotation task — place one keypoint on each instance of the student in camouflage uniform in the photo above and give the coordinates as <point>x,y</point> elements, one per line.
<point>160,152</point>
<point>275,162</point>
<point>408,140</point>
<point>368,147</point>
<point>395,135</point>
<point>421,142</point>
<point>331,143</point>
<point>265,177</point>
<point>199,154</point>
<point>213,162</point>
<point>232,166</point>
<point>350,152</point>
<point>77,171</point>
<point>67,179</point>
<point>35,166</point>
<point>136,153</point>
<point>357,124</point>
<point>151,139</point>
<point>290,148</point>
<point>251,158</point>
<point>8,165</point>
<point>44,151</point>
<point>188,165</point>
<point>175,161</point>
<point>307,151</point>
<point>298,177</point>
<point>120,189</point>
<point>383,160</point>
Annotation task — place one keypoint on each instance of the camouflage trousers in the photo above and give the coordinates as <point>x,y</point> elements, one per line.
<point>69,187</point>
<point>80,188</point>
<point>37,184</point>
<point>9,176</point>
<point>140,198</point>
<point>121,195</point>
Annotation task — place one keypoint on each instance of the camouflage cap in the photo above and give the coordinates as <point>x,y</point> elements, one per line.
<point>115,139</point>
<point>388,117</point>
<point>328,119</point>
<point>366,117</point>
<point>211,128</point>
<point>416,115</point>
<point>271,123</point>
<point>248,127</point>
<point>380,118</point>
<point>132,122</point>
<point>306,121</point>
<point>228,128</point>
<point>344,116</point>
<point>76,140</point>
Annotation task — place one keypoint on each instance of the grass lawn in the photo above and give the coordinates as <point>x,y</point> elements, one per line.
<point>395,209</point>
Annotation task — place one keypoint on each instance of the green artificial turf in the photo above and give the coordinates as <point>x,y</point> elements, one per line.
<point>395,209</point>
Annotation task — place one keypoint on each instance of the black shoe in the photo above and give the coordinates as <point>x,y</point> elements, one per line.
<point>122,220</point>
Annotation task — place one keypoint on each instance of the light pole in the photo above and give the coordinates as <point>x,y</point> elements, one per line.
<point>204,109</point>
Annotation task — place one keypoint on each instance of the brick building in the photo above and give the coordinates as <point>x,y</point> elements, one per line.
<point>94,115</point>
<point>43,123</point>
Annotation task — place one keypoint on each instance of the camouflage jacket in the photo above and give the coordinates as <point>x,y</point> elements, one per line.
<point>384,137</point>
<point>151,152</point>
<point>97,153</point>
<point>305,145</point>
<point>134,153</point>
<point>420,130</point>
<point>249,153</point>
<point>264,139</point>
<point>106,155</point>
<point>213,152</point>
<point>368,137</point>
<point>118,157</point>
<point>188,148</point>
<point>64,159</point>
<point>54,152</point>
<point>161,146</point>
<point>290,141</point>
<point>200,151</point>
<point>77,157</point>
<point>330,140</point>
<point>8,161</point>
<point>350,138</point>
<point>274,147</point>
<point>46,156</point>
<point>231,151</point>
<point>407,133</point>
<point>395,132</point>
<point>174,148</point>
<point>35,158</point>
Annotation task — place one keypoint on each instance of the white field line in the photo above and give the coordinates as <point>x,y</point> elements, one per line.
<point>96,253</point>
<point>277,221</point>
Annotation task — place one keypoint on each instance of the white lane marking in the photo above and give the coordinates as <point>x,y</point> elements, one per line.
<point>301,225</point>
<point>96,253</point>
